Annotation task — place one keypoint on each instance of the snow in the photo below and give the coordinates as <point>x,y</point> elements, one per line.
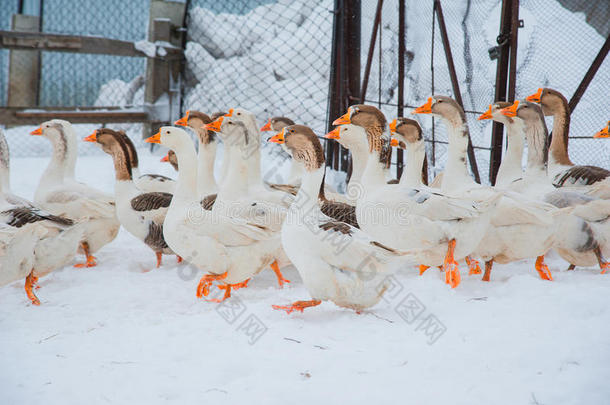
<point>119,333</point>
<point>148,48</point>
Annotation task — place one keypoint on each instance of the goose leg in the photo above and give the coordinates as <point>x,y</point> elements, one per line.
<point>423,268</point>
<point>227,288</point>
<point>203,289</point>
<point>543,269</point>
<point>572,267</point>
<point>603,264</point>
<point>297,306</point>
<point>280,278</point>
<point>159,258</point>
<point>179,259</point>
<point>30,281</point>
<point>452,273</point>
<point>488,265</point>
<point>473,266</point>
<point>90,258</point>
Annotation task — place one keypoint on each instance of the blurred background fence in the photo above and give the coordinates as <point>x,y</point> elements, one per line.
<point>307,60</point>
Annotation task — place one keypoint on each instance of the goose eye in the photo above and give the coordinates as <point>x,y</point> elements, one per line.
<point>238,113</point>
<point>230,123</point>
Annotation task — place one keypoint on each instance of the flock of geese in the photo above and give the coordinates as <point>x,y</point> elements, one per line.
<point>232,224</point>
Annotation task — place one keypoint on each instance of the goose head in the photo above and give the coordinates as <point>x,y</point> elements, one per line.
<point>276,124</point>
<point>550,100</point>
<point>443,107</point>
<point>171,159</point>
<point>171,137</point>
<point>603,133</point>
<point>494,112</point>
<point>350,136</point>
<point>302,144</point>
<point>406,132</point>
<point>52,130</point>
<point>196,120</point>
<point>232,131</point>
<point>113,143</point>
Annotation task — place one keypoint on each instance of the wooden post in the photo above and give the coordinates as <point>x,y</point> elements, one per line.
<point>162,76</point>
<point>23,66</point>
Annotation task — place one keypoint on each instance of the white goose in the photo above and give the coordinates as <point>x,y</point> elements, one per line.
<point>140,213</point>
<point>561,169</point>
<point>583,236</point>
<point>207,145</point>
<point>232,250</point>
<point>33,242</point>
<point>59,193</point>
<point>336,261</point>
<point>520,227</point>
<point>442,228</point>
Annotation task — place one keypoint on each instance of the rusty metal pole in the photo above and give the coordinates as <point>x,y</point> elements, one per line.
<point>334,96</point>
<point>369,58</point>
<point>351,80</point>
<point>401,76</point>
<point>500,93</point>
<point>454,82</point>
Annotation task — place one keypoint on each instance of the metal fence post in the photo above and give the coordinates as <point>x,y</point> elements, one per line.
<point>495,157</point>
<point>454,81</point>
<point>401,77</point>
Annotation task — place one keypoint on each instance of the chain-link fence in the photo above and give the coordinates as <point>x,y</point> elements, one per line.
<point>555,49</point>
<point>269,57</point>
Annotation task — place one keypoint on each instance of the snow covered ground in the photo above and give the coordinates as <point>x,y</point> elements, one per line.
<point>119,333</point>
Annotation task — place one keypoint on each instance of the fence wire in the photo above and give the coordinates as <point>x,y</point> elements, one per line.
<point>556,47</point>
<point>271,58</point>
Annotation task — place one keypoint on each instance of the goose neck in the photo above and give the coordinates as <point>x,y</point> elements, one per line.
<point>510,167</point>
<point>187,175</point>
<point>412,176</point>
<point>561,132</point>
<point>456,172</point>
<point>309,192</point>
<point>205,168</point>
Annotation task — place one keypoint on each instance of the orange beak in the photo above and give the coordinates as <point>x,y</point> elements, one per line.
<point>230,113</point>
<point>165,158</point>
<point>334,134</point>
<point>344,119</point>
<point>277,138</point>
<point>486,115</point>
<point>184,120</point>
<point>603,133</point>
<point>91,138</point>
<point>215,125</point>
<point>512,110</point>
<point>156,138</point>
<point>394,142</point>
<point>37,131</point>
<point>393,126</point>
<point>535,98</point>
<point>267,126</point>
<point>424,109</point>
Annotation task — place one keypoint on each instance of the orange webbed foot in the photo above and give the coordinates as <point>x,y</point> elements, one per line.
<point>203,289</point>
<point>30,281</point>
<point>543,269</point>
<point>450,266</point>
<point>179,259</point>
<point>423,268</point>
<point>91,262</point>
<point>297,306</point>
<point>473,266</point>
<point>280,277</point>
<point>605,266</point>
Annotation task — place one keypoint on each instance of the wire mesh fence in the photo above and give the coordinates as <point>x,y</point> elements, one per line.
<point>269,57</point>
<point>555,49</point>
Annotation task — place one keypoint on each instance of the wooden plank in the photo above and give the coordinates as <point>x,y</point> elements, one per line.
<point>19,116</point>
<point>78,44</point>
<point>24,66</point>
